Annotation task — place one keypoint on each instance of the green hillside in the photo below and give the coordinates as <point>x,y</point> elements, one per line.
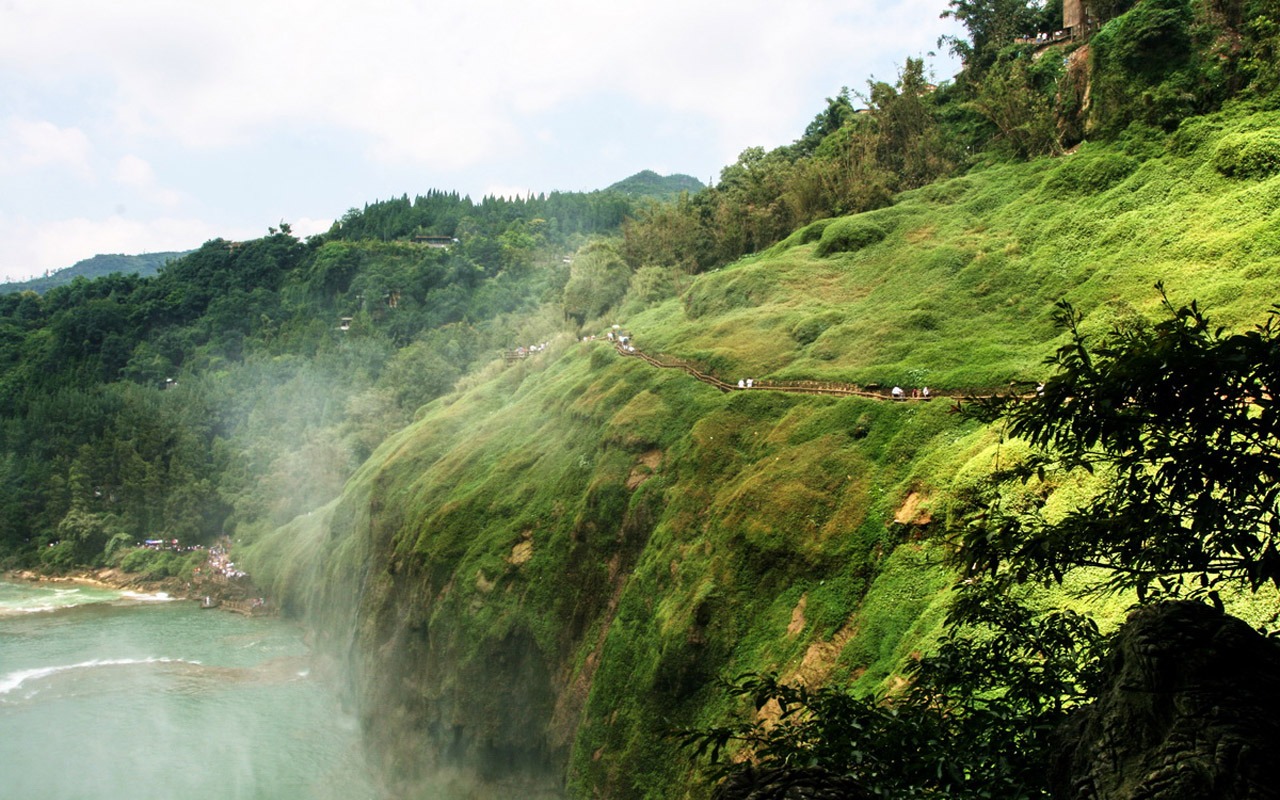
<point>661,187</point>
<point>588,542</point>
<point>531,553</point>
<point>98,266</point>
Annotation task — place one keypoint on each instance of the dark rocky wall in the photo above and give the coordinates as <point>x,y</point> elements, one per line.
<point>1190,709</point>
<point>446,720</point>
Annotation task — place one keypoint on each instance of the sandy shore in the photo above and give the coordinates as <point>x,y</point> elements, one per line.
<point>104,579</point>
<point>231,596</point>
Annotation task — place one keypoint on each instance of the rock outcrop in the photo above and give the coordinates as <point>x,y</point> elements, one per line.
<point>1190,709</point>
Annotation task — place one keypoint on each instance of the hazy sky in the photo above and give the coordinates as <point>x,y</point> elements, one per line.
<point>149,125</point>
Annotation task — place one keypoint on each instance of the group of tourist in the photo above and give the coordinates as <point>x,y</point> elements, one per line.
<point>900,394</point>
<point>219,563</point>
<point>169,544</point>
<point>1043,37</point>
<point>622,341</point>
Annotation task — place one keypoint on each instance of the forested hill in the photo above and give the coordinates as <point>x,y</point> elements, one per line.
<point>98,266</point>
<point>535,557</point>
<point>243,383</point>
<point>650,184</point>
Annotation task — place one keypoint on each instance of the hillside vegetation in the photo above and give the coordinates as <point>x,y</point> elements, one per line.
<point>98,266</point>
<point>559,558</point>
<point>532,558</point>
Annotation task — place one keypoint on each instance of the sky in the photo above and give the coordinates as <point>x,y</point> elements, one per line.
<point>155,125</point>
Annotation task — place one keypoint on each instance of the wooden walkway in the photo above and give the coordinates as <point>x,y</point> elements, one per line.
<point>795,387</point>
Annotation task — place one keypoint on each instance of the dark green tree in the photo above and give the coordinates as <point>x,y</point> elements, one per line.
<point>992,25</point>
<point>598,279</point>
<point>838,113</point>
<point>976,721</point>
<point>1180,421</point>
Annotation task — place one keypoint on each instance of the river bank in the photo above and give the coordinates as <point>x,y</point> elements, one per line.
<point>212,590</point>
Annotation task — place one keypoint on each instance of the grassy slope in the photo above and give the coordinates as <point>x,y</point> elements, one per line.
<point>641,533</point>
<point>960,291</point>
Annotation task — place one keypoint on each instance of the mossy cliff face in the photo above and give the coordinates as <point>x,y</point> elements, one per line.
<point>545,574</point>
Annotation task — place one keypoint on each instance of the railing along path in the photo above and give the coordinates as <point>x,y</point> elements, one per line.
<point>795,387</point>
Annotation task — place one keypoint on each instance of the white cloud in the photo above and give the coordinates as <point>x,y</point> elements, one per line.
<point>41,246</point>
<point>450,85</point>
<point>136,173</point>
<point>305,226</point>
<point>36,144</point>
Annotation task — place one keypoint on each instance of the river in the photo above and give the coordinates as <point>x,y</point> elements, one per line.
<point>105,695</point>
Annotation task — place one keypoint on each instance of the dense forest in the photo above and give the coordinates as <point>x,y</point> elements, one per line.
<point>288,394</point>
<point>244,382</point>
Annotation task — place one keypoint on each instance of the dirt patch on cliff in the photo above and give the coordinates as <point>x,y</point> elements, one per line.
<point>814,668</point>
<point>522,551</point>
<point>911,513</point>
<point>645,466</point>
<point>797,616</point>
<point>820,658</point>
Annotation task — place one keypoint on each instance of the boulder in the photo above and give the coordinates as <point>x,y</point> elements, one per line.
<point>1189,709</point>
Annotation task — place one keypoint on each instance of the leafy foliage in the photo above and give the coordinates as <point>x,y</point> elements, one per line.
<point>1181,420</point>
<point>598,279</point>
<point>975,722</point>
<point>992,26</point>
<point>1017,98</point>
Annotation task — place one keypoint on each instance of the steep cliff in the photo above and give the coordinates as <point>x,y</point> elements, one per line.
<point>552,568</point>
<point>546,573</point>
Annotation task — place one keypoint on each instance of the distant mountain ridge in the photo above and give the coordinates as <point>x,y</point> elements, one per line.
<point>645,183</point>
<point>103,264</point>
<point>648,183</point>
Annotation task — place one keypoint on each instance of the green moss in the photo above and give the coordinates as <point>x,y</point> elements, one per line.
<point>648,532</point>
<point>903,606</point>
<point>1090,173</point>
<point>849,235</point>
<point>1248,155</point>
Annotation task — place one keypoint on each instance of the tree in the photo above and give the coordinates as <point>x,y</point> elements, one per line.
<point>597,280</point>
<point>910,145</point>
<point>1018,105</point>
<point>838,113</point>
<point>976,721</point>
<point>1180,421</point>
<point>992,25</point>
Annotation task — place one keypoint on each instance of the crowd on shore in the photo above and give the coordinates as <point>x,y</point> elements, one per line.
<point>220,563</point>
<point>217,582</point>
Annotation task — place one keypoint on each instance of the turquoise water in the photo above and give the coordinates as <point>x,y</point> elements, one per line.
<point>106,695</point>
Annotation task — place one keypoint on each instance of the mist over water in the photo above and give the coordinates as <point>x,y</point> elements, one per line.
<point>109,696</point>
